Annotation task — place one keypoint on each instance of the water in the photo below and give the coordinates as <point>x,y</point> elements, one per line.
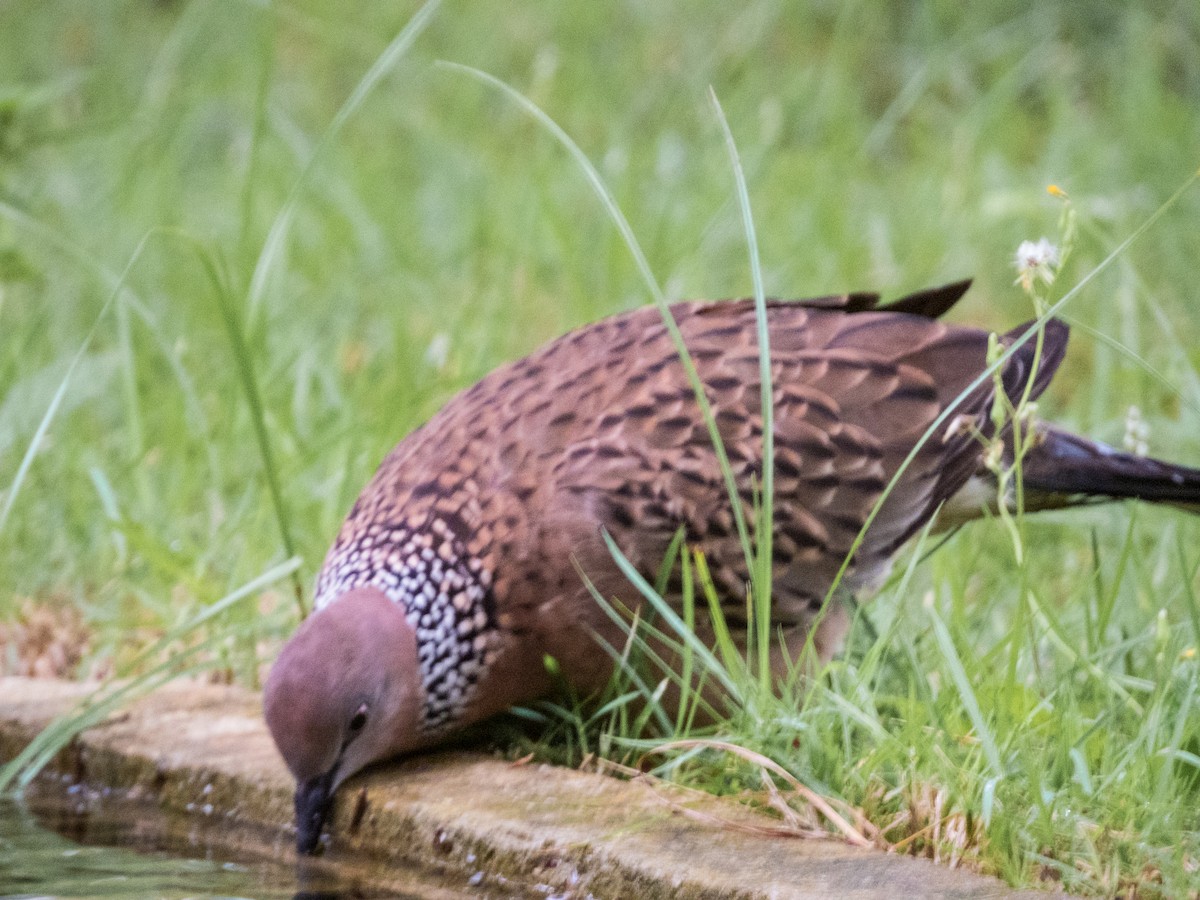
<point>57,844</point>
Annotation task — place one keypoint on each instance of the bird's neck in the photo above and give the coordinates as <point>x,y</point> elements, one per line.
<point>445,595</point>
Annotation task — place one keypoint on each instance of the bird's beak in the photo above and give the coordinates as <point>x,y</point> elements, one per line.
<point>314,800</point>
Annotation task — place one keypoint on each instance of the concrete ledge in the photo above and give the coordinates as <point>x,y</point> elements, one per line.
<point>205,750</point>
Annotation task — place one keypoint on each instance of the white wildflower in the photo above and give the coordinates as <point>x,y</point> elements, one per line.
<point>438,351</point>
<point>1137,432</point>
<point>1036,259</point>
<point>993,459</point>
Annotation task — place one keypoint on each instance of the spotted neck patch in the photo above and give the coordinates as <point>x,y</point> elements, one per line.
<point>445,593</point>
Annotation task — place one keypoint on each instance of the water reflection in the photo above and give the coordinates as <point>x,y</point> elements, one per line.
<point>56,844</point>
<point>37,862</point>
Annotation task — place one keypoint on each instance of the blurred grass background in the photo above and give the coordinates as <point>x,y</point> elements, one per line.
<point>886,147</point>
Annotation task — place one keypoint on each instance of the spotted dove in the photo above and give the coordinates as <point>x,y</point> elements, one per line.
<point>458,569</point>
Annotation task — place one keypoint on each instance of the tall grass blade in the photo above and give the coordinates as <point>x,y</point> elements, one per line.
<point>245,368</point>
<point>764,531</point>
<point>660,301</point>
<point>966,693</point>
<point>39,435</point>
<point>1189,591</point>
<point>276,239</point>
<point>122,296</point>
<point>672,618</point>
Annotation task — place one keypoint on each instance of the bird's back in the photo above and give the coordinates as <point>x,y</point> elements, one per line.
<point>478,520</point>
<point>477,548</point>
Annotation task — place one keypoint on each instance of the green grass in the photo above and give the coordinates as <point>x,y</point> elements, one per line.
<point>149,151</point>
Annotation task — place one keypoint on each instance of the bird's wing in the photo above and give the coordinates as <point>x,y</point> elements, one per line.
<point>853,396</point>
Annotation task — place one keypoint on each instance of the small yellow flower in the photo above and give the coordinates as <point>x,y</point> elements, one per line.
<point>1055,191</point>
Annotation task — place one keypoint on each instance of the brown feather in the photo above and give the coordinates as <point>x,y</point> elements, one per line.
<point>599,431</point>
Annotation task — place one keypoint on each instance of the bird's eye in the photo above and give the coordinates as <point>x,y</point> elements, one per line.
<point>359,719</point>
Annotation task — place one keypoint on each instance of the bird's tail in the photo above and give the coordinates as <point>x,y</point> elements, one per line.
<point>1063,469</point>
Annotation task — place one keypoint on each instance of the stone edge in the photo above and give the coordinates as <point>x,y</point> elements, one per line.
<point>150,749</point>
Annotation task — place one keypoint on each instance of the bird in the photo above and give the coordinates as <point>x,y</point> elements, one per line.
<point>478,547</point>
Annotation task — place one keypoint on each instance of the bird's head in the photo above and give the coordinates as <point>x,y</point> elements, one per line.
<point>344,693</point>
